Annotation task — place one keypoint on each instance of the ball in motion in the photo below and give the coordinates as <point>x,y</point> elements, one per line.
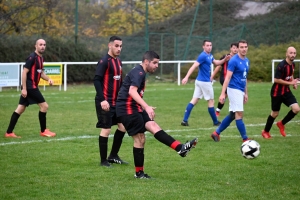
<point>250,149</point>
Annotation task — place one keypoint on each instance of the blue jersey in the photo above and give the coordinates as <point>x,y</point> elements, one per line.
<point>204,71</point>
<point>240,68</point>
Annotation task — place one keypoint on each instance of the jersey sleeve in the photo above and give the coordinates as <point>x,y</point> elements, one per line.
<point>201,58</point>
<point>231,65</point>
<point>101,67</point>
<point>137,77</point>
<point>279,70</point>
<point>29,62</point>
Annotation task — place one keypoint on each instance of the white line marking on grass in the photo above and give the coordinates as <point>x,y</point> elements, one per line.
<point>147,133</point>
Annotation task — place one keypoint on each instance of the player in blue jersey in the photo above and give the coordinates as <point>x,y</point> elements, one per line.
<point>236,85</point>
<point>203,84</point>
<point>223,70</point>
<point>137,116</point>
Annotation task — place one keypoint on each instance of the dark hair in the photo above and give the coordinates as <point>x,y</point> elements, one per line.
<point>113,38</point>
<point>150,55</point>
<point>242,41</point>
<point>205,41</point>
<point>234,44</point>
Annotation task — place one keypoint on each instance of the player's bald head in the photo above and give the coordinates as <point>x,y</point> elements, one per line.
<point>291,54</point>
<point>40,41</point>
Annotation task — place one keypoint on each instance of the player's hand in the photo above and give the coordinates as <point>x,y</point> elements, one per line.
<point>150,111</point>
<point>184,81</point>
<point>104,105</point>
<point>24,93</point>
<point>50,81</point>
<point>227,57</point>
<point>222,98</point>
<point>245,98</point>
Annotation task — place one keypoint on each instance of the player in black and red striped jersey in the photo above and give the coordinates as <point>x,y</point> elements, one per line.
<point>282,94</point>
<point>107,82</point>
<point>30,94</point>
<point>137,116</point>
<point>223,67</point>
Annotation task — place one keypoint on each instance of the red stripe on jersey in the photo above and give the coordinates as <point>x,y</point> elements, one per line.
<point>114,82</point>
<point>33,71</point>
<point>40,60</point>
<point>106,82</point>
<point>128,107</point>
<point>225,69</point>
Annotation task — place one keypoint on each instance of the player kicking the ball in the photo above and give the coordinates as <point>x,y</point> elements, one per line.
<point>137,116</point>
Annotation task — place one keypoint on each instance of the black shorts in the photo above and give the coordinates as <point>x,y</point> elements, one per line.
<point>34,96</point>
<point>106,119</point>
<point>135,123</point>
<point>287,99</point>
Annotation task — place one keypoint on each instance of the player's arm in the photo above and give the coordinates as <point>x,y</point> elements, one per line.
<point>216,70</point>
<point>46,78</point>
<point>220,62</point>
<point>225,85</point>
<point>192,68</point>
<point>98,79</point>
<point>133,92</point>
<point>24,78</point>
<point>246,92</point>
<point>284,82</point>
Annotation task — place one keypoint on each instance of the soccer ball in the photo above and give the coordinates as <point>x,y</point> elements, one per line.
<point>250,149</point>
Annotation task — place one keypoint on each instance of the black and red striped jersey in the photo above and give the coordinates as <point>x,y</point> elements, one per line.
<point>223,69</point>
<point>108,79</point>
<point>126,105</point>
<point>34,63</point>
<point>285,72</point>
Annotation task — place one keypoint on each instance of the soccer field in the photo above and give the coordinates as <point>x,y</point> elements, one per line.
<point>67,166</point>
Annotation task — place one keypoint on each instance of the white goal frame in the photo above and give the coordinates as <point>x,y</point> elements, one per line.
<point>277,61</point>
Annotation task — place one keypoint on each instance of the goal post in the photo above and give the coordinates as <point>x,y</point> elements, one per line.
<point>274,61</point>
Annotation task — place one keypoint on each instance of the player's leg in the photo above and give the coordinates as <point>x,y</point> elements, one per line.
<point>197,94</point>
<point>291,102</point>
<point>135,128</point>
<point>220,104</point>
<point>208,95</point>
<point>224,124</point>
<point>35,97</point>
<point>14,118</point>
<point>163,137</point>
<point>117,142</point>
<point>275,107</point>
<point>105,123</point>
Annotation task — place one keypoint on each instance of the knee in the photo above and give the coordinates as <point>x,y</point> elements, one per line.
<point>20,109</point>
<point>44,107</point>
<point>296,110</point>
<point>274,114</point>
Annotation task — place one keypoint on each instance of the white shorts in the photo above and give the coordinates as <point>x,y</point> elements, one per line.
<point>203,89</point>
<point>236,99</point>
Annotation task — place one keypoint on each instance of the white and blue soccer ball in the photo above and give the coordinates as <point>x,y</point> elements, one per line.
<point>250,149</point>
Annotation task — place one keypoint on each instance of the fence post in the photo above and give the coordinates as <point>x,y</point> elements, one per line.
<point>178,74</point>
<point>65,77</point>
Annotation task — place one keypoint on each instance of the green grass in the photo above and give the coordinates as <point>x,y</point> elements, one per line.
<point>67,167</point>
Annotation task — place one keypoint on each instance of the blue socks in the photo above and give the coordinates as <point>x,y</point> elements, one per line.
<point>225,123</point>
<point>211,111</point>
<point>241,127</point>
<point>188,111</point>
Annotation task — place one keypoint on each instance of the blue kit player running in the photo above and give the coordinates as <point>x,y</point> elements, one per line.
<point>236,85</point>
<point>137,116</point>
<point>203,85</point>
